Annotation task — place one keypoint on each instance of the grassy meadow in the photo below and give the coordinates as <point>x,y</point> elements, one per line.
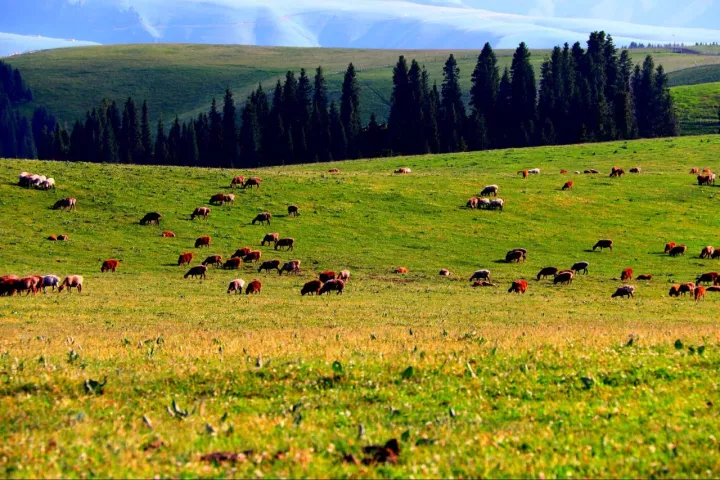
<point>181,79</point>
<point>697,107</point>
<point>560,382</point>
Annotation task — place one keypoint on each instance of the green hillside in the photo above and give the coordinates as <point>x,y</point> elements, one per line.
<point>563,381</point>
<point>695,75</point>
<point>182,79</point>
<point>697,108</point>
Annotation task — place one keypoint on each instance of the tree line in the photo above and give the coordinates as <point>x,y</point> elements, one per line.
<point>583,95</point>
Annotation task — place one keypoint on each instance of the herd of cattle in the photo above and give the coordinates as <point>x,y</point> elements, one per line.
<point>329,281</point>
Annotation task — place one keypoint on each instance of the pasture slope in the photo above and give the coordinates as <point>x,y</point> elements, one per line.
<point>562,381</point>
<point>697,108</point>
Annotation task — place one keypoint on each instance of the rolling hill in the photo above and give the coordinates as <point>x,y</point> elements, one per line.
<point>697,108</point>
<point>181,80</point>
<point>146,373</point>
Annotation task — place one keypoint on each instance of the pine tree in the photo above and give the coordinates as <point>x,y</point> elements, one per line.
<point>350,110</point>
<point>484,90</point>
<point>146,139</point>
<point>401,134</point>
<point>337,134</point>
<point>26,143</point>
<point>524,97</point>
<point>190,146</point>
<point>8,129</point>
<point>431,107</point>
<point>215,136</point>
<point>415,112</point>
<point>273,136</point>
<point>663,108</point>
<point>202,133</point>
<point>161,146</point>
<point>547,108</point>
<point>42,119</point>
<point>174,143</point>
<point>622,103</point>
<point>320,143</point>
<point>78,143</point>
<point>131,148</point>
<point>301,128</point>
<point>453,116</point>
<point>249,136</point>
<point>504,119</point>
<point>643,86</point>
<point>229,131</point>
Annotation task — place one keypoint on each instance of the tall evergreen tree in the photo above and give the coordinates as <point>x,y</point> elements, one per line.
<point>301,128</point>
<point>350,110</point>
<point>453,116</point>
<point>485,85</point>
<point>416,110</point>
<point>274,146</point>
<point>146,140</point>
<point>663,108</point>
<point>202,133</point>
<point>25,141</point>
<point>320,144</point>
<point>504,118</point>
<point>249,136</point>
<point>131,148</point>
<point>161,144</point>
<point>524,97</point>
<point>401,100</point>
<point>78,143</point>
<point>174,143</point>
<point>431,107</point>
<point>337,134</point>
<point>215,136</point>
<point>229,131</point>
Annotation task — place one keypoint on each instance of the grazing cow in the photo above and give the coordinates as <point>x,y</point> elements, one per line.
<point>716,254</point>
<point>52,238</point>
<point>27,284</point>
<point>291,266</point>
<point>238,284</point>
<point>203,241</point>
<point>674,291</point>
<point>626,274</point>
<point>669,246</point>
<point>229,198</point>
<point>524,173</point>
<point>515,256</point>
<point>213,260</point>
<point>252,182</point>
<point>254,288</point>
<point>269,265</point>
<point>707,252</point>
<point>344,275</point>
<point>617,172</point>
<point>710,277</point>
<point>47,184</point>
<point>472,203</point>
<point>327,275</point>
<point>70,282</point>
<point>235,182</point>
<point>699,293</point>
<point>695,170</point>
<point>480,275</point>
<point>109,265</point>
<point>199,271</point>
<point>217,199</point>
<point>635,170</point>
<point>678,250</point>
<point>403,170</point>
<point>644,277</point>
<point>7,285</point>
<point>241,252</point>
<point>444,272</point>
<point>253,256</point>
<point>497,203</point>
<point>289,243</point>
<point>334,170</point>
<point>333,285</point>
<point>714,288</point>
<point>688,287</point>
<point>577,266</point>
<point>534,171</point>
<point>63,238</point>
<point>293,211</point>
<point>150,218</point>
<point>168,234</point>
<point>262,218</point>
<point>591,171</point>
<point>712,178</point>
<point>483,283</point>
<point>311,288</point>
<point>601,244</point>
<point>624,291</point>
<point>232,263</point>
<point>200,212</point>
<point>568,185</point>
<point>546,272</point>
<point>518,286</point>
<point>401,270</point>
<point>50,281</point>
<point>270,238</point>
<point>489,190</point>
<point>185,259</point>
<point>563,171</point>
<point>66,204</point>
<point>564,277</point>
<point>703,179</point>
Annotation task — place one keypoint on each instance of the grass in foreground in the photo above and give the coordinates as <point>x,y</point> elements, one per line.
<point>563,381</point>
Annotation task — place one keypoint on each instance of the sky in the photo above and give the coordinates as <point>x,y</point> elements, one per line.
<point>354,23</point>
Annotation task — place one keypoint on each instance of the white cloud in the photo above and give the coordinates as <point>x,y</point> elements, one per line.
<point>11,43</point>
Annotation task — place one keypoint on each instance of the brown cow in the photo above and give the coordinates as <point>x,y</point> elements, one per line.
<point>403,170</point>
<point>635,170</point>
<point>699,293</point>
<point>241,252</point>
<point>203,241</point>
<point>678,250</point>
<point>334,170</point>
<point>401,270</point>
<point>644,277</point>
<point>109,265</point>
<point>688,287</point>
<point>217,199</point>
<point>253,256</point>
<point>524,173</point>
<point>624,291</point>
<point>716,254</point>
<point>233,263</point>
<point>291,266</point>
<point>67,204</point>
<point>63,238</point>
<point>252,182</point>
<point>546,272</point>
<point>473,203</point>
<point>270,238</point>
<point>626,274</point>
<point>563,171</point>
<point>269,265</point>
<point>483,283</point>
<point>7,285</point>
<point>168,234</point>
<point>200,212</point>
<point>703,179</point>
<point>568,185</point>
<point>617,172</point>
<point>229,198</point>
<point>236,286</point>
<point>237,181</point>
<point>285,242</point>
<point>262,218</point>
<point>515,256</point>
<point>518,286</point>
<point>669,246</point>
<point>603,244</point>
<point>327,275</point>
<point>710,277</point>
<point>707,252</point>
<point>52,238</point>
<point>199,271</point>
<point>713,288</point>
<point>185,258</point>
<point>293,211</point>
<point>254,288</point>
<point>72,281</point>
<point>151,218</point>
<point>311,288</point>
<point>694,170</point>
<point>674,291</point>
<point>566,276</point>
<point>591,171</point>
<point>334,285</point>
<point>30,284</point>
<point>213,260</point>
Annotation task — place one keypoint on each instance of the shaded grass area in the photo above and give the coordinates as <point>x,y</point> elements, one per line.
<point>697,108</point>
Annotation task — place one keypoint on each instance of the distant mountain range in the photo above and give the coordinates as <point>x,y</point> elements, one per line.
<point>402,24</point>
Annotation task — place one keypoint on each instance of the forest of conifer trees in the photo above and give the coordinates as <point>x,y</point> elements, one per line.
<point>587,94</point>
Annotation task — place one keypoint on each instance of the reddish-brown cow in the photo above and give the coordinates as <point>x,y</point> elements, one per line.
<point>311,288</point>
<point>185,259</point>
<point>254,288</point>
<point>518,286</point>
<point>109,265</point>
<point>215,260</point>
<point>203,241</point>
<point>626,274</point>
<point>233,263</point>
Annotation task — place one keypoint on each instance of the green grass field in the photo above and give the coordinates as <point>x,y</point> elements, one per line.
<point>695,75</point>
<point>182,79</point>
<point>563,381</point>
<point>697,108</point>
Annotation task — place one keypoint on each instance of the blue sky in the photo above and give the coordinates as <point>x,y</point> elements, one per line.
<point>356,23</point>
